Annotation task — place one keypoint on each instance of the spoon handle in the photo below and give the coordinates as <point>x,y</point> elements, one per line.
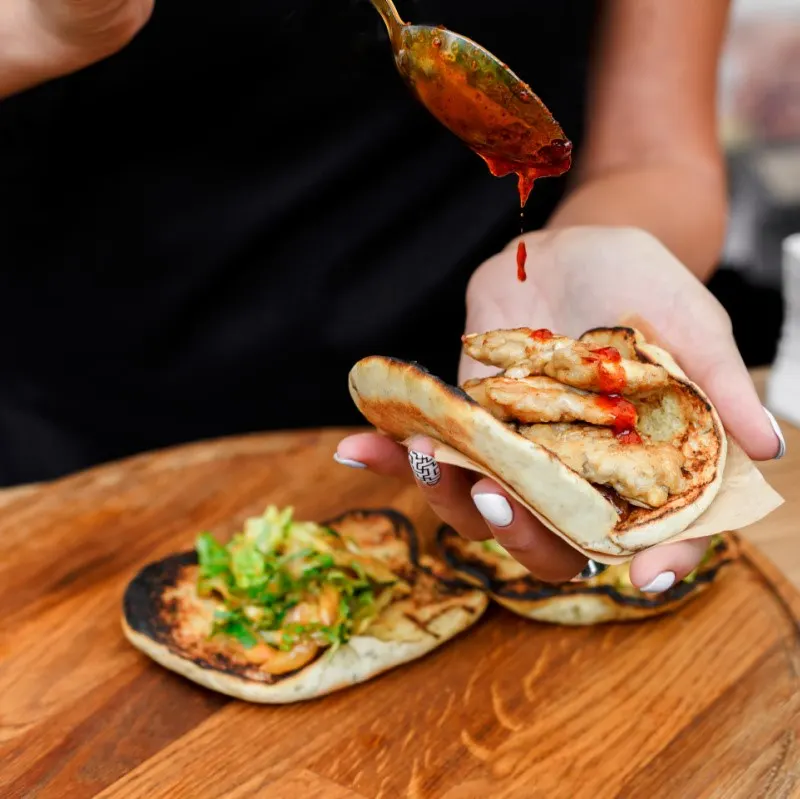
<point>391,19</point>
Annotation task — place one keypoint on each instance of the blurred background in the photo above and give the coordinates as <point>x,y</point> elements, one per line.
<point>760,126</point>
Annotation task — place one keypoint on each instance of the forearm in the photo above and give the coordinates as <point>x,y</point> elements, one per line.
<point>684,207</point>
<point>29,54</point>
<point>35,49</point>
<point>21,63</point>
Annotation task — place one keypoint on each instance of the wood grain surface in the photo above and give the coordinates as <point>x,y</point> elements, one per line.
<point>701,704</point>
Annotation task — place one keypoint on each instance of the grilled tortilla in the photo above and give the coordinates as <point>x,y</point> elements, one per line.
<point>608,597</point>
<point>603,438</point>
<point>327,607</point>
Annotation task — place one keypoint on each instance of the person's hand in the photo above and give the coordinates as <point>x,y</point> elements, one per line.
<point>47,38</point>
<point>580,278</point>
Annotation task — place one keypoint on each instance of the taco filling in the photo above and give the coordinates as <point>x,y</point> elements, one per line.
<point>616,421</point>
<point>284,590</point>
<point>289,610</point>
<point>607,597</point>
<point>604,438</point>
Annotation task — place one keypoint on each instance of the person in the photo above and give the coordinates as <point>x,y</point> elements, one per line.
<point>209,214</point>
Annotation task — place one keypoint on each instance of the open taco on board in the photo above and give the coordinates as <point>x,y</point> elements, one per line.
<point>603,438</point>
<point>287,610</point>
<point>607,597</point>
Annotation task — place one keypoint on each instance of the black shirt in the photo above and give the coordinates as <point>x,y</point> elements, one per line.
<point>201,234</point>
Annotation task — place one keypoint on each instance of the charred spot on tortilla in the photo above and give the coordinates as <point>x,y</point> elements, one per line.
<point>611,473</point>
<point>289,610</point>
<point>456,391</point>
<point>142,602</point>
<point>153,609</point>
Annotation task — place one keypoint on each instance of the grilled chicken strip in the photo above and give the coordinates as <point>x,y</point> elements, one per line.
<point>542,399</point>
<point>645,474</point>
<point>522,352</point>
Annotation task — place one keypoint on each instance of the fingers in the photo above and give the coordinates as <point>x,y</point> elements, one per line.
<point>526,539</point>
<point>658,569</point>
<point>447,490</point>
<point>731,390</point>
<point>476,510</point>
<point>374,452</point>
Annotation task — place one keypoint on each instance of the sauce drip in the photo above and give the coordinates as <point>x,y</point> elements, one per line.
<point>551,160</point>
<point>500,120</point>
<point>629,437</point>
<point>522,257</point>
<point>610,374</point>
<point>624,412</point>
<point>625,418</point>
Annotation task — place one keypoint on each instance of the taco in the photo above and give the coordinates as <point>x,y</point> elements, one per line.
<point>603,438</point>
<point>608,597</point>
<point>288,611</point>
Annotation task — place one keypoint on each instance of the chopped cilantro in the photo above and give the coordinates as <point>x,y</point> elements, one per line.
<point>275,565</point>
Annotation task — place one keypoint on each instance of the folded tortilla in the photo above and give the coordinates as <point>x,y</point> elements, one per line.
<point>402,400</point>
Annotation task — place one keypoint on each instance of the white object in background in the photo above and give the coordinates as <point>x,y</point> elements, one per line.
<point>783,387</point>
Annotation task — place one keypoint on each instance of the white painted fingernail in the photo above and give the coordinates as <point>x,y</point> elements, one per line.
<point>494,508</point>
<point>779,433</point>
<point>660,583</point>
<point>425,468</point>
<point>348,462</point>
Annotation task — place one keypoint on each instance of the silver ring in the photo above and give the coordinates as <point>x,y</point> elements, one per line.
<point>592,569</point>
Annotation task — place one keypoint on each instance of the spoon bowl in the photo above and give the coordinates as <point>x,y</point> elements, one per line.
<point>479,99</point>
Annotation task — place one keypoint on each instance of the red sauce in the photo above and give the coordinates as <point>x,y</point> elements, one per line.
<point>522,257</point>
<point>610,374</point>
<point>502,124</point>
<point>624,412</point>
<point>629,437</point>
<point>541,335</point>
<point>511,138</point>
<point>551,160</point>
<point>625,418</point>
<point>610,354</point>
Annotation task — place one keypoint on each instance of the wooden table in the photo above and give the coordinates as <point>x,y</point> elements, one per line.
<point>510,709</point>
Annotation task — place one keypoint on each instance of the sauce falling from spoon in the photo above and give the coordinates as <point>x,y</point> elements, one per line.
<point>522,257</point>
<point>479,99</point>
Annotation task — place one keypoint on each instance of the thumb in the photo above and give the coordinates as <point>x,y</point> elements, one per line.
<point>707,352</point>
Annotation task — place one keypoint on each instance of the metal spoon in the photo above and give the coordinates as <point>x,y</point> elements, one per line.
<point>477,97</point>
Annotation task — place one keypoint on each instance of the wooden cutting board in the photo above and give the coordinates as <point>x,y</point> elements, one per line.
<point>704,703</point>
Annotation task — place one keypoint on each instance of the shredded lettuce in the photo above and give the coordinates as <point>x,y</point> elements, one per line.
<point>709,553</point>
<point>491,545</point>
<point>275,565</point>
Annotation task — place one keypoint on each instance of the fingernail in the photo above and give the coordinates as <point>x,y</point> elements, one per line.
<point>592,569</point>
<point>660,583</point>
<point>425,468</point>
<point>776,428</point>
<point>494,508</point>
<point>348,462</point>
